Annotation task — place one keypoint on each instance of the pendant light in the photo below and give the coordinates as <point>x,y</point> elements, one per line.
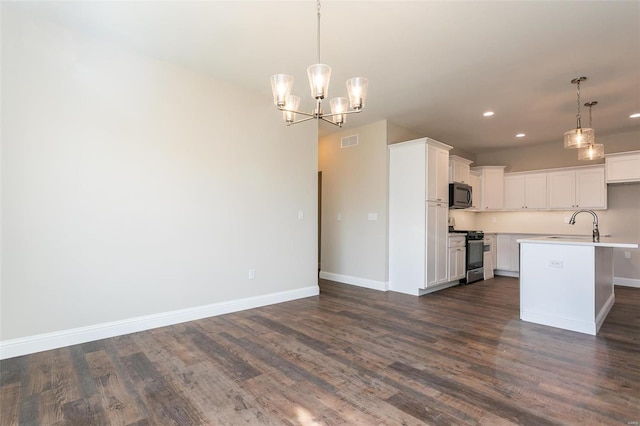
<point>319,75</point>
<point>593,151</point>
<point>579,137</point>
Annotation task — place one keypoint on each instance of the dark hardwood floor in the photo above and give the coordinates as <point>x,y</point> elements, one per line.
<point>349,356</point>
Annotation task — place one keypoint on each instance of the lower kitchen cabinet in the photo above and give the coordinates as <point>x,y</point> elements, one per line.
<point>436,250</point>
<point>491,241</point>
<point>457,258</point>
<point>509,254</point>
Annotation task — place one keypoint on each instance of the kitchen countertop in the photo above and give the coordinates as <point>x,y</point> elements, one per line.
<point>580,241</point>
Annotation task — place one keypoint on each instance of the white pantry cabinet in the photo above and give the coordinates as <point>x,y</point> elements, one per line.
<point>525,191</point>
<point>623,167</point>
<point>457,257</point>
<point>492,188</point>
<point>418,229</point>
<point>459,169</point>
<point>578,188</point>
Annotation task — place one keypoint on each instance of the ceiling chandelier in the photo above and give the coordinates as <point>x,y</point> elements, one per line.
<point>592,151</point>
<point>319,75</point>
<point>579,137</point>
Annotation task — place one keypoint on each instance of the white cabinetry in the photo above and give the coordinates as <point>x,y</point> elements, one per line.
<point>459,169</point>
<point>583,188</point>
<point>475,180</point>
<point>457,257</point>
<point>525,191</point>
<point>437,172</point>
<point>491,241</point>
<point>492,189</point>
<point>436,247</point>
<point>418,171</point>
<point>623,167</point>
<point>509,254</point>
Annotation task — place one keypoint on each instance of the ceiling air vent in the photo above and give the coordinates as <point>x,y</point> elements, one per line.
<point>348,141</point>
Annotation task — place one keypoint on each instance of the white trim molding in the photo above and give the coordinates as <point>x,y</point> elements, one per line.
<point>43,342</point>
<point>360,282</point>
<point>626,282</point>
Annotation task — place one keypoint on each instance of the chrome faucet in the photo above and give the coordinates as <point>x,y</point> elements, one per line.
<point>596,232</point>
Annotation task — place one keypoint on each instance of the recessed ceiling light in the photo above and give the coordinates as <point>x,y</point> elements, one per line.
<point>520,135</point>
<point>488,114</point>
<point>636,115</point>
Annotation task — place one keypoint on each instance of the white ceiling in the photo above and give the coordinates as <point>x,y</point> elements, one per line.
<point>433,66</point>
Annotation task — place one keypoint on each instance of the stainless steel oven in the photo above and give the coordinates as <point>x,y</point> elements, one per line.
<point>475,257</point>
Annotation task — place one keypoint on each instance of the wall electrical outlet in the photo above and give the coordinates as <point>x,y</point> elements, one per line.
<point>252,274</point>
<point>300,214</point>
<point>339,217</point>
<point>627,255</point>
<point>556,263</point>
<point>493,219</point>
<point>372,216</point>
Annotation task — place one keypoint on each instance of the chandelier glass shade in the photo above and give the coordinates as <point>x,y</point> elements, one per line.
<point>319,76</point>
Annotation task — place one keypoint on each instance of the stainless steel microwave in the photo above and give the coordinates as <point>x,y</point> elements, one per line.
<point>459,195</point>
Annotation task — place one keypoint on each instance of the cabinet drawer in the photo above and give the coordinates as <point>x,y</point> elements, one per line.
<point>456,242</point>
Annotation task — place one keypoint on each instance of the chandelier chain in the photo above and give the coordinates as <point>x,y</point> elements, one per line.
<point>578,114</point>
<point>318,32</point>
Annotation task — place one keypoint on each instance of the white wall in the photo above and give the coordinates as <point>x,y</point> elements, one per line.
<point>133,187</point>
<point>354,184</point>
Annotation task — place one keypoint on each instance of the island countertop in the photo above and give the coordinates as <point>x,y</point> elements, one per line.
<point>580,241</point>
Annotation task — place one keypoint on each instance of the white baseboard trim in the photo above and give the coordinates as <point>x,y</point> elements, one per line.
<point>504,273</point>
<point>43,342</point>
<point>360,282</point>
<point>627,282</point>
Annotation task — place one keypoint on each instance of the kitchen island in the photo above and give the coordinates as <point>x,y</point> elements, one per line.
<point>567,282</point>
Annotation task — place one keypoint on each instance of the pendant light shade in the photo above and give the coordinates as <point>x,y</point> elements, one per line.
<point>579,138</point>
<point>592,152</point>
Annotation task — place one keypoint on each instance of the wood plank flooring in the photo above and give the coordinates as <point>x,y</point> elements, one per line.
<point>350,356</point>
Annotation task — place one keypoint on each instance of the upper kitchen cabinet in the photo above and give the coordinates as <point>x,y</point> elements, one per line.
<point>492,188</point>
<point>623,167</point>
<point>437,175</point>
<point>459,169</point>
<point>580,187</point>
<point>475,180</point>
<point>524,191</point>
